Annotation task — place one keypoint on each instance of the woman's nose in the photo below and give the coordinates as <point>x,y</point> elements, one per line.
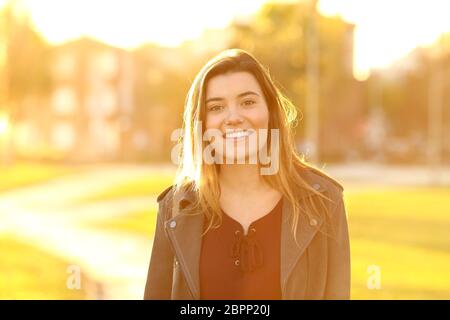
<point>233,118</point>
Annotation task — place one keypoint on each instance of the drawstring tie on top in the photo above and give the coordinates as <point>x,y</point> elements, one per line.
<point>247,249</point>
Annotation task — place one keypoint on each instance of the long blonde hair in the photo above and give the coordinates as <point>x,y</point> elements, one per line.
<point>203,178</point>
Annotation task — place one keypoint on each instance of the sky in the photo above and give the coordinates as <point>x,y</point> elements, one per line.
<point>129,23</point>
<point>385,30</point>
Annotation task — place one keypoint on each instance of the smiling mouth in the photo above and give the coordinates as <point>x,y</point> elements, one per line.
<point>237,134</point>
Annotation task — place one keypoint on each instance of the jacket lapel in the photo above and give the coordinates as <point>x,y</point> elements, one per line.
<point>291,251</point>
<point>186,242</point>
<point>184,230</point>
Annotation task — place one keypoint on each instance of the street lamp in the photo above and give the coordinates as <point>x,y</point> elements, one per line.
<point>312,92</point>
<point>435,112</point>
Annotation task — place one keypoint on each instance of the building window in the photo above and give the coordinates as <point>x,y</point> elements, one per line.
<point>102,102</point>
<point>63,136</point>
<point>65,66</point>
<point>64,100</point>
<point>107,64</point>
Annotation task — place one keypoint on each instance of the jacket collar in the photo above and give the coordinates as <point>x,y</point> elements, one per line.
<point>184,230</point>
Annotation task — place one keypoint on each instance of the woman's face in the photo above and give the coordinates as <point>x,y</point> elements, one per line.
<point>235,105</point>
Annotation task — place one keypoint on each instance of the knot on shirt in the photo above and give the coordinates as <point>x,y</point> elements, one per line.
<point>247,249</point>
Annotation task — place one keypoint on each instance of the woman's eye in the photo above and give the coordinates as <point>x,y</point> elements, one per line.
<point>214,108</point>
<point>248,103</point>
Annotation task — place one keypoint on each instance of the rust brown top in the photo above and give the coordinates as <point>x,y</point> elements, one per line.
<point>235,266</point>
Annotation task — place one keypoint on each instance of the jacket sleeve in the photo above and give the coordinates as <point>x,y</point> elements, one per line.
<point>338,277</point>
<point>159,276</point>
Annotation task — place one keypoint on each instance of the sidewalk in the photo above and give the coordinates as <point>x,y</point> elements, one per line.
<point>366,174</point>
<point>41,216</point>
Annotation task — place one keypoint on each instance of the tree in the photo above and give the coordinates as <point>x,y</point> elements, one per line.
<point>24,63</point>
<point>282,37</point>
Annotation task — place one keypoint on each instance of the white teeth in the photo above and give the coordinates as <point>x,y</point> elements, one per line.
<point>237,134</point>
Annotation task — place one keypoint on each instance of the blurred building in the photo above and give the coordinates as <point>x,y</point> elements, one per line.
<point>87,115</point>
<point>414,94</point>
<point>92,100</point>
<point>106,103</point>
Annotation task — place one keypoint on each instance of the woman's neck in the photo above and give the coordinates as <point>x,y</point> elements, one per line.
<point>242,178</point>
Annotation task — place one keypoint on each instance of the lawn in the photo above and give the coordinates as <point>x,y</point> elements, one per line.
<point>148,185</point>
<point>404,232</point>
<point>140,222</point>
<point>21,277</point>
<point>29,273</point>
<point>26,173</point>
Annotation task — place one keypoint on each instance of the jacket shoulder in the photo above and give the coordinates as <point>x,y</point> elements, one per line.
<point>324,179</point>
<point>164,193</point>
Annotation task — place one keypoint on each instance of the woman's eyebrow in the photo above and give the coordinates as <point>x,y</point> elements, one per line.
<point>239,96</point>
<point>247,93</point>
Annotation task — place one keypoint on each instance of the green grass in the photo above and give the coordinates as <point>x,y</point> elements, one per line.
<point>405,232</point>
<point>30,273</point>
<point>140,222</point>
<point>23,174</point>
<point>150,185</point>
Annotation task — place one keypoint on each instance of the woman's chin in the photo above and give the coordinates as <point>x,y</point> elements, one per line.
<point>241,157</point>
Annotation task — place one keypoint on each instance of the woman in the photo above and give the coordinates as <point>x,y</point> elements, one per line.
<point>232,228</point>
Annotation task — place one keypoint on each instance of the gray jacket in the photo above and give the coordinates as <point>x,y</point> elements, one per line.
<point>317,268</point>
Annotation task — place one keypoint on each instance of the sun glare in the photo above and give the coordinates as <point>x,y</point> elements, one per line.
<point>386,30</point>
<point>4,124</point>
<point>128,24</point>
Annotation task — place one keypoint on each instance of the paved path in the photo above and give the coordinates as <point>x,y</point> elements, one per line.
<point>44,215</point>
<point>358,176</point>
